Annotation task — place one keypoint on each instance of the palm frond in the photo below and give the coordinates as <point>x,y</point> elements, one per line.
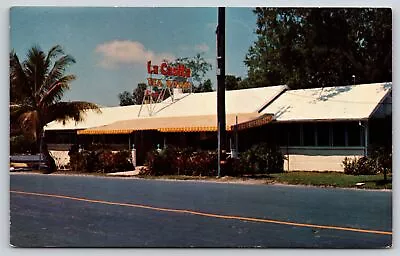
<point>35,69</point>
<point>62,111</point>
<point>57,71</point>
<point>18,109</point>
<point>56,91</point>
<point>19,89</point>
<point>37,86</point>
<point>53,53</point>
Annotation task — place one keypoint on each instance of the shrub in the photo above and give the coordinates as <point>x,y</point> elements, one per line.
<point>123,161</point>
<point>360,166</point>
<point>20,144</point>
<point>383,158</point>
<point>106,161</point>
<point>157,163</point>
<point>261,159</point>
<point>379,161</point>
<point>176,161</point>
<point>100,160</point>
<point>235,167</point>
<point>84,161</point>
<point>202,164</point>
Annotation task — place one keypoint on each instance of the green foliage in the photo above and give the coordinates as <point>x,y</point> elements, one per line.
<point>232,82</point>
<point>378,162</point>
<point>236,83</point>
<point>125,99</point>
<point>360,166</point>
<point>319,47</point>
<point>261,159</point>
<point>20,144</point>
<point>206,86</point>
<point>175,161</point>
<point>136,98</point>
<point>199,67</point>
<point>329,179</point>
<point>100,161</point>
<point>138,93</point>
<point>37,86</point>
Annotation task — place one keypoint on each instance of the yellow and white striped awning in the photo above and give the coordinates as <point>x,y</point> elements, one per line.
<point>205,123</point>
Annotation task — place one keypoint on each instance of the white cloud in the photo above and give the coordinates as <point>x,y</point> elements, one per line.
<point>122,52</point>
<point>202,47</point>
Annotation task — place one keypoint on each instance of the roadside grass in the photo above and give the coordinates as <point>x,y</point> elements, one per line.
<point>307,178</point>
<point>320,179</point>
<point>331,179</point>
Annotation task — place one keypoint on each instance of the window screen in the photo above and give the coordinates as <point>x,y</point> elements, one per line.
<point>309,134</point>
<point>354,134</point>
<point>338,132</point>
<point>323,134</point>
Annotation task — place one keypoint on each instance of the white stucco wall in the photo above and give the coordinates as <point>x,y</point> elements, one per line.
<point>318,159</point>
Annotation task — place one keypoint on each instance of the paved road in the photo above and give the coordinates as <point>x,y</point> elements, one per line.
<point>38,220</point>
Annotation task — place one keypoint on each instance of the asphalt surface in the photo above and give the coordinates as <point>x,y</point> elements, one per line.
<point>45,221</point>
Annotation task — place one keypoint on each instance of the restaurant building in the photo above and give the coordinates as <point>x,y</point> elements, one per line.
<point>314,128</point>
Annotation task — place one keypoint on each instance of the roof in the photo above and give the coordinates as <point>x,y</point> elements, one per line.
<point>329,103</point>
<point>171,124</point>
<point>236,101</point>
<point>195,104</point>
<point>92,118</point>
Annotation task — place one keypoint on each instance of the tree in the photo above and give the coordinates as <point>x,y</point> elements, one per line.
<point>36,89</point>
<point>206,86</point>
<point>125,99</point>
<point>318,47</point>
<point>199,67</point>
<point>136,98</point>
<point>138,93</point>
<point>232,82</point>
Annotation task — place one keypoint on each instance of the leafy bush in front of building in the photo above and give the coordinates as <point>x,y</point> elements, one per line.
<point>202,164</point>
<point>177,161</point>
<point>100,161</point>
<point>379,161</point>
<point>259,159</point>
<point>123,161</point>
<point>158,164</point>
<point>359,166</point>
<point>262,159</point>
<point>235,167</point>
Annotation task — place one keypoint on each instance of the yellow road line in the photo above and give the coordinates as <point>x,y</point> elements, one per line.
<point>209,214</point>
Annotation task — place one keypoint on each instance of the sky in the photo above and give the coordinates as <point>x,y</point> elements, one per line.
<point>111,45</point>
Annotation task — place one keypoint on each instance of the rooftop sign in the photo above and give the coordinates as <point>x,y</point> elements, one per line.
<point>168,70</point>
<point>175,76</point>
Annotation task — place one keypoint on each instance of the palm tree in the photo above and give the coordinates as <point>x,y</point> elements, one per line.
<point>36,89</point>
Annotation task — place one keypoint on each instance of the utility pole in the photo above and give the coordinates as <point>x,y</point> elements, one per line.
<point>221,116</point>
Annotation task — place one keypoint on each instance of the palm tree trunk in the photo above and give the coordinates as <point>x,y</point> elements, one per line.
<point>42,146</point>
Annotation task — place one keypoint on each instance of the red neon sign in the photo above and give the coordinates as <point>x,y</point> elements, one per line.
<point>168,70</point>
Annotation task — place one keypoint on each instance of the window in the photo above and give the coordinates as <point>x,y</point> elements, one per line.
<point>339,134</point>
<point>283,134</point>
<point>323,134</point>
<point>354,134</point>
<point>293,133</point>
<point>309,134</point>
